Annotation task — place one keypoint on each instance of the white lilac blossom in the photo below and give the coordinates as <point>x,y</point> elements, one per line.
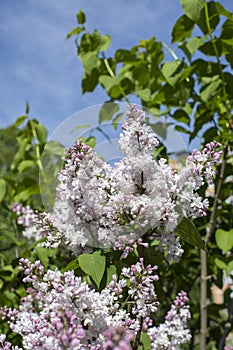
<point>28,218</point>
<point>128,206</point>
<point>173,332</point>
<point>62,312</point>
<point>141,290</point>
<point>97,205</point>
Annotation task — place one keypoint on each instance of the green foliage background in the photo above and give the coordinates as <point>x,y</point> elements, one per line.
<point>195,89</point>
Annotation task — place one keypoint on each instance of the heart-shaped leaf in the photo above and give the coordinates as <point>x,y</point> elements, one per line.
<point>224,239</point>
<point>93,265</point>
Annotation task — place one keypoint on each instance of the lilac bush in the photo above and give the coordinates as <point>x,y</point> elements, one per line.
<point>132,207</point>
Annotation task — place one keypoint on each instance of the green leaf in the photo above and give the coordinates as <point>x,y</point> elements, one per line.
<point>72,265</point>
<point>27,110</point>
<point>93,265</point>
<point>90,141</point>
<point>24,144</point>
<point>172,71</point>
<point>209,48</point>
<point>224,240</point>
<point>192,8</point>
<point>25,164</point>
<point>116,92</point>
<point>2,189</point>
<point>187,231</point>
<point>107,81</point>
<point>182,29</point>
<point>181,116</point>
<point>229,268</point>
<point>212,18</point>
<point>90,61</point>
<point>41,132</point>
<point>111,270</point>
<point>190,46</point>
<point>20,120</point>
<point>7,273</point>
<point>221,264</point>
<point>27,193</point>
<point>43,255</point>
<point>222,11</point>
<point>117,120</point>
<point>152,256</point>
<point>160,129</point>
<point>145,341</point>
<point>144,94</point>
<point>12,237</point>
<point>75,31</point>
<point>210,134</point>
<point>104,43</point>
<point>107,111</point>
<point>181,129</point>
<point>209,90</point>
<point>81,17</point>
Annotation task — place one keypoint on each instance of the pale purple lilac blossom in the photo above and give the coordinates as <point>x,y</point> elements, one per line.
<point>62,312</point>
<point>97,205</point>
<point>139,201</point>
<point>28,218</point>
<point>173,332</point>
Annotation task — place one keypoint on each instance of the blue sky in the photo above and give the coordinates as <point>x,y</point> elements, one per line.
<point>38,65</point>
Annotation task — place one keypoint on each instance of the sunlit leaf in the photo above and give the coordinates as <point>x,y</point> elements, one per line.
<point>223,11</point>
<point>93,265</point>
<point>20,120</point>
<point>210,89</point>
<point>192,8</point>
<point>172,71</point>
<point>224,239</point>
<point>75,31</point>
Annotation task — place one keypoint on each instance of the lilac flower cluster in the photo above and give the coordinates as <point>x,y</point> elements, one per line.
<point>173,332</point>
<point>133,206</point>
<point>138,201</point>
<point>141,290</point>
<point>29,220</point>
<point>62,312</point>
<point>97,205</point>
